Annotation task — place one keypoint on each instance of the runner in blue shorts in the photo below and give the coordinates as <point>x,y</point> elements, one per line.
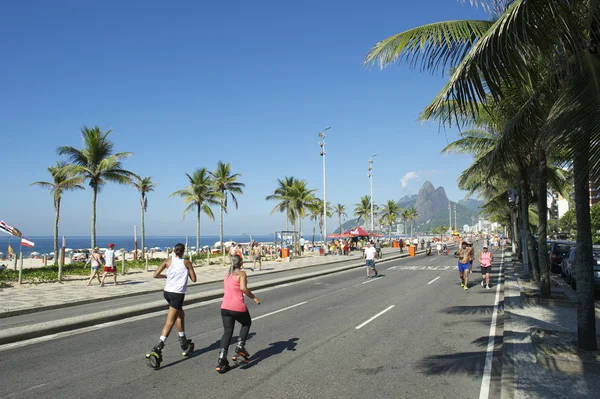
<point>463,255</point>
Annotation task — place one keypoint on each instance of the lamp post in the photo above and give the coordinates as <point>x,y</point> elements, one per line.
<point>455,225</point>
<point>450,214</point>
<point>371,185</point>
<point>323,153</point>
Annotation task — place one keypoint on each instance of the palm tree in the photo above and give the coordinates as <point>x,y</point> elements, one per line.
<point>226,184</point>
<point>390,213</point>
<point>283,196</point>
<point>144,186</point>
<point>405,214</point>
<point>412,216</point>
<point>62,181</point>
<point>316,209</point>
<point>97,164</point>
<point>200,194</point>
<point>340,210</point>
<point>563,35</point>
<point>301,198</point>
<point>363,209</point>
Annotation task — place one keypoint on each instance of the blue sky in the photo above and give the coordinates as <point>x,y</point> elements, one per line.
<point>187,84</point>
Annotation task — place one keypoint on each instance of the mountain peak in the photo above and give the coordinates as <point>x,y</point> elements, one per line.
<point>426,189</point>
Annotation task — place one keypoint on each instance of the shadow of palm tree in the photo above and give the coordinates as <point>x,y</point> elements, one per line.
<point>274,348</point>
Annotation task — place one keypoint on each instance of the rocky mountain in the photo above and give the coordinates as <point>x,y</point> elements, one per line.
<point>432,206</point>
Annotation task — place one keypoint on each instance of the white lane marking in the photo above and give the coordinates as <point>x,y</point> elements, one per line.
<point>371,280</point>
<point>280,310</point>
<point>484,393</point>
<point>431,260</point>
<point>373,318</point>
<point>433,280</point>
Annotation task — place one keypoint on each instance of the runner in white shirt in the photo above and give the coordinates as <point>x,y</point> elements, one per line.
<point>369,256</point>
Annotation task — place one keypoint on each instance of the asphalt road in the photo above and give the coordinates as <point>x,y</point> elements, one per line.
<point>413,333</point>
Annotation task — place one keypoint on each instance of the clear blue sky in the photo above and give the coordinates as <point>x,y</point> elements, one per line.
<point>186,84</point>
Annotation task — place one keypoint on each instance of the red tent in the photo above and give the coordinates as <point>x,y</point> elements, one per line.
<point>357,232</point>
<point>333,235</point>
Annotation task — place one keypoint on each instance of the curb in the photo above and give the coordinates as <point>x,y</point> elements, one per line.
<point>16,334</point>
<point>507,381</point>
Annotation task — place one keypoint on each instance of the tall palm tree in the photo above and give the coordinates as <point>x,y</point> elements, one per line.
<point>405,214</point>
<point>144,186</point>
<point>301,199</point>
<point>390,213</point>
<point>316,210</point>
<point>363,209</point>
<point>412,216</point>
<point>340,210</point>
<point>564,35</point>
<point>97,164</point>
<point>226,184</point>
<point>62,180</point>
<point>283,197</point>
<point>200,194</point>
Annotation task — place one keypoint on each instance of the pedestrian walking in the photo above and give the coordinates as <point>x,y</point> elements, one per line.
<point>302,242</point>
<point>234,309</point>
<point>96,260</point>
<point>401,245</point>
<point>369,256</point>
<point>257,256</point>
<point>109,265</point>
<point>485,260</point>
<point>178,273</point>
<point>378,249</point>
<point>463,264</point>
<point>471,255</point>
<point>438,247</point>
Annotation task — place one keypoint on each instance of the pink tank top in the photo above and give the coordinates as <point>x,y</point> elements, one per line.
<point>233,298</point>
<point>486,259</point>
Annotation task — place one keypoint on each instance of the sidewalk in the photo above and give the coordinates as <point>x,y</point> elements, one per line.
<point>539,358</point>
<point>73,291</point>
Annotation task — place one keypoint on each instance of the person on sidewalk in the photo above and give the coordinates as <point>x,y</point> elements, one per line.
<point>378,249</point>
<point>463,264</point>
<point>234,309</point>
<point>302,243</point>
<point>178,273</point>
<point>401,245</point>
<point>257,256</point>
<point>109,264</point>
<point>96,260</point>
<point>485,259</point>
<point>369,256</point>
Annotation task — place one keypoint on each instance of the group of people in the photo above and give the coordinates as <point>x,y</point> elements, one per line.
<point>233,307</point>
<point>107,261</point>
<point>466,256</point>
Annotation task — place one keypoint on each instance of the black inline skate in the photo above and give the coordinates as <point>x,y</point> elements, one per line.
<point>187,346</point>
<point>154,358</point>
<point>222,363</point>
<point>241,354</point>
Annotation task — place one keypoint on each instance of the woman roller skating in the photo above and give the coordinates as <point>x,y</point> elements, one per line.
<point>234,309</point>
<point>178,272</point>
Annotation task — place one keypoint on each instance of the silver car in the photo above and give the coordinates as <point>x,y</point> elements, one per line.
<point>567,268</point>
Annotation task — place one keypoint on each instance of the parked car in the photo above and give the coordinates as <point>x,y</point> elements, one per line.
<point>568,268</point>
<point>557,250</point>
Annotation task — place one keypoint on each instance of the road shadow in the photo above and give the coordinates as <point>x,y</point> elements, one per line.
<point>463,310</point>
<point>275,348</point>
<point>197,352</point>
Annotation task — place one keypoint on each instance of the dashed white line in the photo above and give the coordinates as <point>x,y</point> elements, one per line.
<point>280,310</point>
<point>374,317</point>
<point>433,280</point>
<point>484,393</point>
<point>371,280</point>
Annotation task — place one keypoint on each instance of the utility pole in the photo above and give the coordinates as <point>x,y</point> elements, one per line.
<point>455,224</point>
<point>450,214</point>
<point>323,153</point>
<point>371,185</point>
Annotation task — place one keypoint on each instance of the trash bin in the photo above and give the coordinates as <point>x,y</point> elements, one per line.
<point>396,244</point>
<point>412,250</point>
<point>285,253</point>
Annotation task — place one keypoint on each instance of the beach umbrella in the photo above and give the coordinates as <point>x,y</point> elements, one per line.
<point>217,244</point>
<point>68,250</point>
<point>34,253</point>
<point>204,247</point>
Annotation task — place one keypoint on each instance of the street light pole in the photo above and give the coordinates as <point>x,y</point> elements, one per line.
<point>455,225</point>
<point>450,213</point>
<point>323,153</point>
<point>371,185</point>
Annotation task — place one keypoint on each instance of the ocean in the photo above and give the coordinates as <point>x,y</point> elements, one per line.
<point>44,245</point>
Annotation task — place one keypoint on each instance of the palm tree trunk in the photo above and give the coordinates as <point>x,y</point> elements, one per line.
<point>584,264</point>
<point>94,197</point>
<point>525,228</point>
<point>314,228</point>
<point>198,231</point>
<point>543,224</point>
<point>340,222</point>
<point>287,220</point>
<point>143,230</point>
<point>221,231</point>
<point>56,219</point>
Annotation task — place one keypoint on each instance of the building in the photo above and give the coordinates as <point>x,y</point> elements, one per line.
<point>594,191</point>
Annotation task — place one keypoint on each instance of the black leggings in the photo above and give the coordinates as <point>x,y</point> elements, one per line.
<point>229,318</point>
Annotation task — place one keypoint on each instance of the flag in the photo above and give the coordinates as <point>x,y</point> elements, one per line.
<point>10,250</point>
<point>27,243</point>
<point>9,229</point>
